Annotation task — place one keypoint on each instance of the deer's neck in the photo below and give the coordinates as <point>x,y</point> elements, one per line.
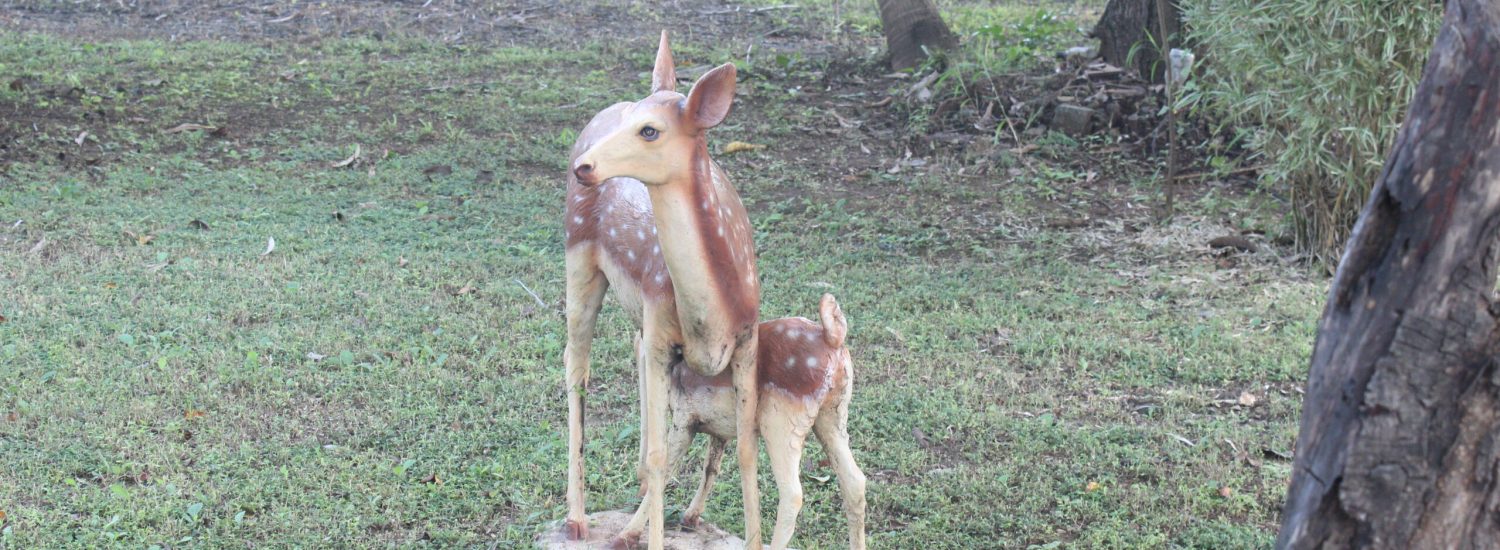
<point>707,245</point>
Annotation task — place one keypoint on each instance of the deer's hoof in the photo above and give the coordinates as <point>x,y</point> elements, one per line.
<point>577,529</point>
<point>625,541</point>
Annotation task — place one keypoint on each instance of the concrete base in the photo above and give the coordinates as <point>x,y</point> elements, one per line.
<point>603,526</point>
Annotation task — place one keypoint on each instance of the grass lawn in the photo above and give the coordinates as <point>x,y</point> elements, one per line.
<point>391,373</point>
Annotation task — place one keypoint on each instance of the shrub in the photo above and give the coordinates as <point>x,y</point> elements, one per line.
<point>1323,83</point>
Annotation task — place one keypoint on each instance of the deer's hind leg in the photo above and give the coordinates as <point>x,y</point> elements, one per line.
<point>832,429</point>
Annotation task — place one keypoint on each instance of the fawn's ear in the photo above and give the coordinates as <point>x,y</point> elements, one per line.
<point>663,76</point>
<point>708,102</point>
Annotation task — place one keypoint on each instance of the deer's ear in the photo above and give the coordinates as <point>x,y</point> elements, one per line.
<point>708,102</point>
<point>663,76</point>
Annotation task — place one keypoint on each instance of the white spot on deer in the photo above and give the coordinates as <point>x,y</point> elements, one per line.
<point>812,361</point>
<point>660,278</point>
<point>630,254</point>
<point>640,235</point>
<point>577,219</point>
<point>807,336</point>
<point>750,279</point>
<point>611,231</point>
<point>705,204</point>
<point>655,250</point>
<point>791,361</point>
<point>653,230</point>
<point>721,231</point>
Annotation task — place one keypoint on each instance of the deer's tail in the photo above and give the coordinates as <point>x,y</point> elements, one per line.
<point>835,327</point>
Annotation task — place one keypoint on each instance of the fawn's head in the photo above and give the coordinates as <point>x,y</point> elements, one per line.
<point>656,138</point>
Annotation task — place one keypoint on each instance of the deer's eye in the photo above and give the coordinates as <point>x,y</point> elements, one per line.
<point>650,134</point>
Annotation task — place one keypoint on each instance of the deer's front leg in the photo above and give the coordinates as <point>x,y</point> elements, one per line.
<point>655,361</point>
<point>585,293</point>
<point>747,442</point>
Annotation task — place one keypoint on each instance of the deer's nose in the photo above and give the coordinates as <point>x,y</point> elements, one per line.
<point>584,172</point>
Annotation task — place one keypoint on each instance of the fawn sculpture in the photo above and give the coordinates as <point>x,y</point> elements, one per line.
<point>806,380</point>
<point>650,215</point>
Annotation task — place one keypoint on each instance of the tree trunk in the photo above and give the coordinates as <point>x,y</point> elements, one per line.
<point>1128,23</point>
<point>1400,439</point>
<point>912,29</point>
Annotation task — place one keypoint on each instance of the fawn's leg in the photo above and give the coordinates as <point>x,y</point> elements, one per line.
<point>694,514</point>
<point>586,287</point>
<point>679,439</point>
<point>655,361</point>
<point>832,428</point>
<point>784,439</point>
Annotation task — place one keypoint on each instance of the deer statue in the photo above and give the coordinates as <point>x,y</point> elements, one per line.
<point>806,380</point>
<point>650,215</point>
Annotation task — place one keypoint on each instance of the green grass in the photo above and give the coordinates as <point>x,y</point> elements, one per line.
<point>383,378</point>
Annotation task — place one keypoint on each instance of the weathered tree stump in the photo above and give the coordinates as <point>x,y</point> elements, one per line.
<point>1400,439</point>
<point>913,28</point>
<point>1128,25</point>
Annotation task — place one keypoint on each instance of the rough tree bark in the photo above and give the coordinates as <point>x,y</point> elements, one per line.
<point>1126,23</point>
<point>910,26</point>
<point>1400,439</point>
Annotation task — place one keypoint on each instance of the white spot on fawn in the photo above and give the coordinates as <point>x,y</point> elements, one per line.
<point>656,249</point>
<point>640,235</point>
<point>791,361</point>
<point>721,231</point>
<point>630,254</point>
<point>660,278</point>
<point>812,361</point>
<point>653,230</point>
<point>577,219</point>
<point>611,231</point>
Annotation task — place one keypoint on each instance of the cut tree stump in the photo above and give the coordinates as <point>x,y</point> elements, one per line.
<point>1400,439</point>
<point>1126,23</point>
<point>913,29</point>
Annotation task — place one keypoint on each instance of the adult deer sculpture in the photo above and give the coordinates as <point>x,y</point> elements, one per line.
<point>651,215</point>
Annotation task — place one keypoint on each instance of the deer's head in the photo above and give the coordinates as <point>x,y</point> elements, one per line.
<point>656,138</point>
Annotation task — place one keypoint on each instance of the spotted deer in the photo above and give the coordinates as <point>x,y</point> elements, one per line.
<point>805,381</point>
<point>650,215</point>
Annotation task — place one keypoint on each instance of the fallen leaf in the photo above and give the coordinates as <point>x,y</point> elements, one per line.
<point>437,170</point>
<point>192,414</point>
<point>466,289</point>
<point>1183,440</point>
<point>1226,492</point>
<point>484,177</point>
<point>153,82</point>
<point>1233,241</point>
<point>1247,399</point>
<point>12,416</point>
<point>348,161</point>
<point>198,224</point>
<point>739,147</point>
<point>881,103</point>
<point>401,261</point>
<point>1092,486</point>
<point>82,136</point>
<point>2,515</point>
<point>433,479</point>
<point>338,216</point>
<point>110,285</point>
<point>270,245</point>
<point>920,436</point>
<point>187,127</point>
<point>38,246</point>
<point>144,240</point>
<point>17,85</point>
<point>315,356</point>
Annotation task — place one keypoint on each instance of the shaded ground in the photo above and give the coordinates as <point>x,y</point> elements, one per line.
<point>1025,332</point>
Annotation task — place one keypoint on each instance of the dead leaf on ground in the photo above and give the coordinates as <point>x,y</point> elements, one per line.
<point>484,177</point>
<point>920,436</point>
<point>110,285</point>
<point>1092,486</point>
<point>2,515</point>
<point>315,356</point>
<point>1226,492</point>
<point>198,224</point>
<point>1247,399</point>
<point>348,161</point>
<point>140,240</point>
<point>338,216</point>
<point>192,414</point>
<point>40,244</point>
<point>3,319</point>
<point>460,291</point>
<point>187,127</point>
<point>1233,241</point>
<point>401,261</point>
<point>881,103</point>
<point>12,416</point>
<point>437,170</point>
<point>81,136</point>
<point>739,147</point>
<point>433,479</point>
<point>270,245</point>
<point>17,85</point>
